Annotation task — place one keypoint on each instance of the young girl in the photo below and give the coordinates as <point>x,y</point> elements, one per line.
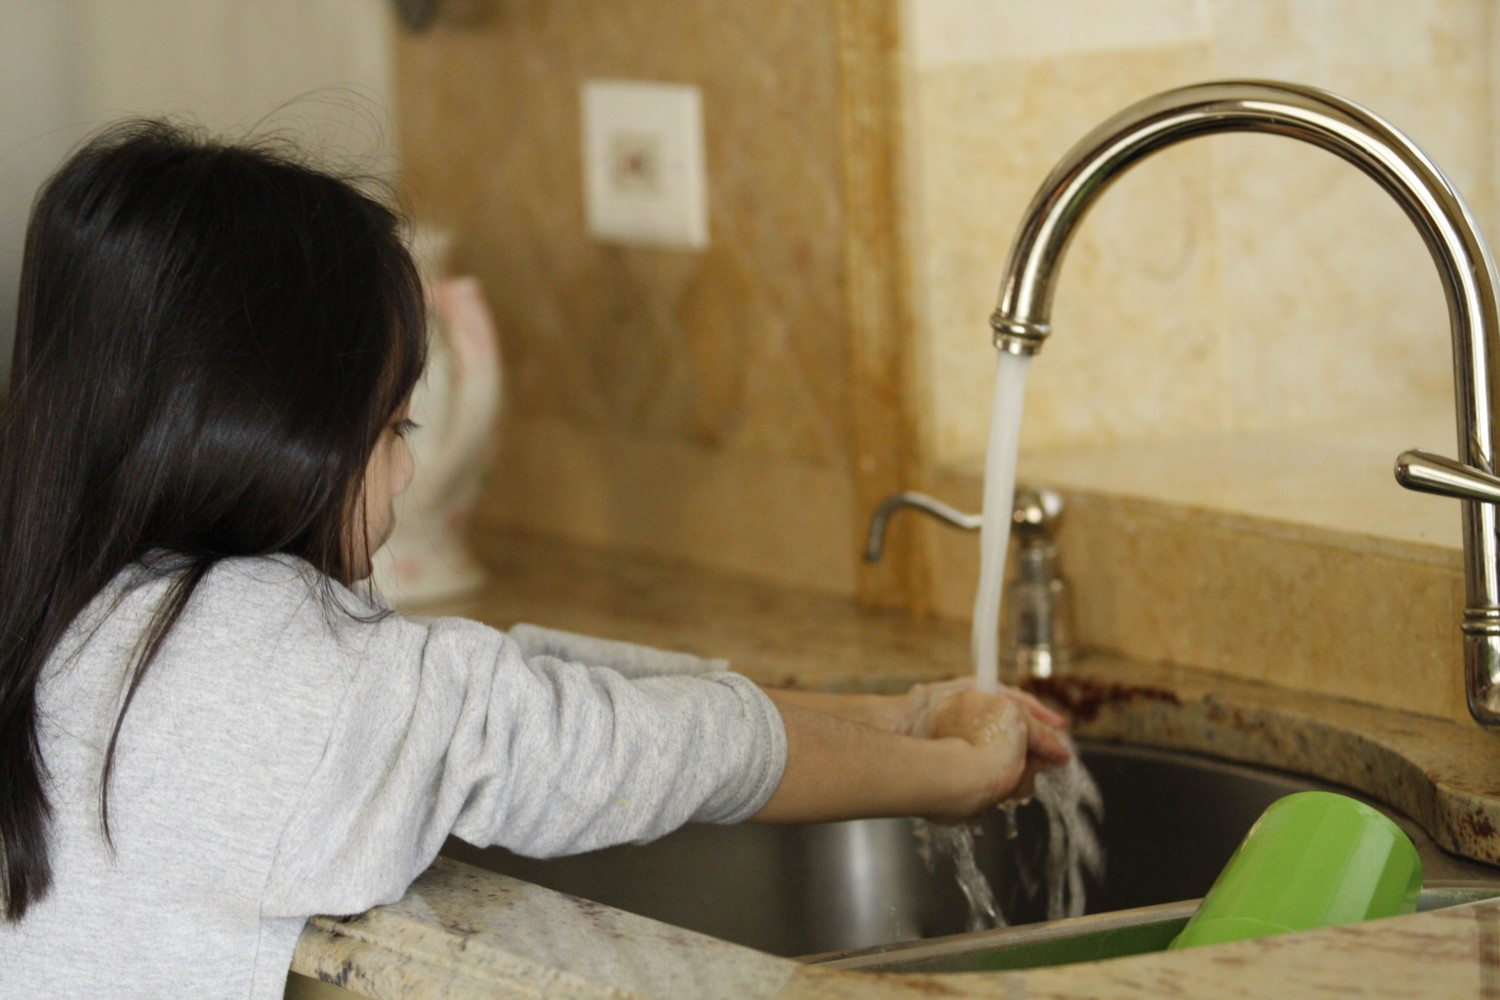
<point>210,728</point>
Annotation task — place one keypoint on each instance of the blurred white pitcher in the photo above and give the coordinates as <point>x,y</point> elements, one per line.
<point>456,402</point>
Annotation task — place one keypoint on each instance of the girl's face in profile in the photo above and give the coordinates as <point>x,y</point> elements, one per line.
<point>387,474</point>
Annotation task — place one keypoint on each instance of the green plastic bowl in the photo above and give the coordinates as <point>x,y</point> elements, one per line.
<point>1313,859</point>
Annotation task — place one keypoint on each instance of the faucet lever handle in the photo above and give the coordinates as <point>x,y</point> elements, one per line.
<point>1429,473</point>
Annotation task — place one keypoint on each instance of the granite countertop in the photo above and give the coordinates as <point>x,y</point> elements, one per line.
<point>461,932</point>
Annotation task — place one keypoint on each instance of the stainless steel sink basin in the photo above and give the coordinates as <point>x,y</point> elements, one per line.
<point>1171,822</point>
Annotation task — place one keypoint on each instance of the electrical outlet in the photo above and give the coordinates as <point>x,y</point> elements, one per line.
<point>645,181</point>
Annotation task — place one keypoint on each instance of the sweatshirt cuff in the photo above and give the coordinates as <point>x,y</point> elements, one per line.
<point>767,751</point>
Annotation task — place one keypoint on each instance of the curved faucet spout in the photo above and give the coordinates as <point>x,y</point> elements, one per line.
<point>1021,322</point>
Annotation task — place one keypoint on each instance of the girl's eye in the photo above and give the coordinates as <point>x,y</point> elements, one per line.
<point>404,427</point>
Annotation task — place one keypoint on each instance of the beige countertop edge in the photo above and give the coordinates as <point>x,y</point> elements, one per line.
<point>1444,953</point>
<point>462,932</point>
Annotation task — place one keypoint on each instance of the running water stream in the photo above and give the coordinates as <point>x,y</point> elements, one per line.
<point>1067,794</point>
<point>995,523</point>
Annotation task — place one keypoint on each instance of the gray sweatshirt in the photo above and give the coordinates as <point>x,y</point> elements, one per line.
<point>278,762</point>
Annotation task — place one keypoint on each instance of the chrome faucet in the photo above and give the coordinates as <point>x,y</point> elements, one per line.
<point>1021,321</point>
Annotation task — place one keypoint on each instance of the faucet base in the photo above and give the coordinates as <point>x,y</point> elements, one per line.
<point>1482,670</point>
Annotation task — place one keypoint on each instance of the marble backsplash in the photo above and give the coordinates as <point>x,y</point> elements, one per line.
<point>690,404</point>
<point>715,406</point>
<point>1232,283</point>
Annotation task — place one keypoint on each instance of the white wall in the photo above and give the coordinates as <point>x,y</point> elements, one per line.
<point>69,66</point>
<point>40,84</point>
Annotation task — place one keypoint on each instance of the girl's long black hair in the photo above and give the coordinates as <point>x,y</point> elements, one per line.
<point>210,340</point>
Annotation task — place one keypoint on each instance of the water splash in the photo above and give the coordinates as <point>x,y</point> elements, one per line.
<point>1073,809</point>
<point>956,841</point>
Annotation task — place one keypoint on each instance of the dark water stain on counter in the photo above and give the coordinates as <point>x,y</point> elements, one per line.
<point>1083,698</point>
<point>1479,825</point>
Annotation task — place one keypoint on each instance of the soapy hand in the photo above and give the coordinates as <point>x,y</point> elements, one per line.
<point>922,699</point>
<point>855,755</point>
<point>1013,733</point>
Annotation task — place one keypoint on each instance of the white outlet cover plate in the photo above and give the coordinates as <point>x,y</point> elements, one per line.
<point>644,174</point>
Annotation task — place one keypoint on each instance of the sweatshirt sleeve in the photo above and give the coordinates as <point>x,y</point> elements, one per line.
<point>450,728</point>
<point>629,658</point>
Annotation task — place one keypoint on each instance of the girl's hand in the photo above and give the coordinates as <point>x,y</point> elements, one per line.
<point>1010,734</point>
<point>944,751</point>
<point>922,698</point>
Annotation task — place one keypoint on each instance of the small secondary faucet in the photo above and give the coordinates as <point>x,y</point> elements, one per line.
<point>1036,637</point>
<point>1021,322</point>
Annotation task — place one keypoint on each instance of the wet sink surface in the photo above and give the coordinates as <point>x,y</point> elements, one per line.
<point>1171,821</point>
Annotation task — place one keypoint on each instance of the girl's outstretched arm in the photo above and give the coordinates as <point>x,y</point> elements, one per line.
<point>977,752</point>
<point>864,760</point>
